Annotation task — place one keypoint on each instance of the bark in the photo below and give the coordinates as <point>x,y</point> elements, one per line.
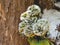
<point>9,20</point>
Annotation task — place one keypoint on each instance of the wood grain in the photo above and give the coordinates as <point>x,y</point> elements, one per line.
<point>9,28</point>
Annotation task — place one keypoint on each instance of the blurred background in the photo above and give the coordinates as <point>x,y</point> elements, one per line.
<point>10,11</point>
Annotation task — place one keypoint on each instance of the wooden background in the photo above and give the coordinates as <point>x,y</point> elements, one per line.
<point>9,20</point>
<point>10,11</point>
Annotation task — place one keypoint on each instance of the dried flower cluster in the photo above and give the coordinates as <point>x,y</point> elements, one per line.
<point>32,24</point>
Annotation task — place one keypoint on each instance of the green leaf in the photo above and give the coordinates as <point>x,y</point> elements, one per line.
<point>44,42</point>
<point>41,42</point>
